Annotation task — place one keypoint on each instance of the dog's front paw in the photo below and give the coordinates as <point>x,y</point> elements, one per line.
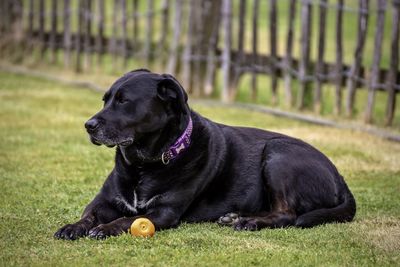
<point>105,230</point>
<point>228,219</point>
<point>71,231</point>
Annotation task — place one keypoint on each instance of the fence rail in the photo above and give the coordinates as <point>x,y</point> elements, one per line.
<point>198,39</point>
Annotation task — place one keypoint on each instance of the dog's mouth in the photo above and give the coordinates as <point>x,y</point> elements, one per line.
<point>95,141</point>
<point>127,142</point>
<point>109,143</point>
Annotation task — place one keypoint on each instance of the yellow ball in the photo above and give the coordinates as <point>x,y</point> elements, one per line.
<point>142,227</point>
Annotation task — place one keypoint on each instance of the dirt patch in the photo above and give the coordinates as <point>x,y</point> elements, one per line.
<point>382,233</point>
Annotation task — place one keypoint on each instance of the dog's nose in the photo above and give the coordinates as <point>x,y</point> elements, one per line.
<point>91,125</point>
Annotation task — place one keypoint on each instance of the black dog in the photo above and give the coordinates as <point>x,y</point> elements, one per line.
<point>174,165</point>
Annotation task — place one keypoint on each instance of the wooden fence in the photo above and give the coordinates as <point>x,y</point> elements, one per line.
<point>200,39</point>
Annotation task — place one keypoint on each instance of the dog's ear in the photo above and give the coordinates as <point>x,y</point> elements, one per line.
<point>139,70</point>
<point>169,89</point>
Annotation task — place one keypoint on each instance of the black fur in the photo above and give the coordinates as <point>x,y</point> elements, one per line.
<point>266,179</point>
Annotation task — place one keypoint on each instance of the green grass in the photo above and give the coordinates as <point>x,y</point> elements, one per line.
<point>49,171</point>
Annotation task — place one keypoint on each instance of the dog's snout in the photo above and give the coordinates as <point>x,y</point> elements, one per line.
<point>91,125</point>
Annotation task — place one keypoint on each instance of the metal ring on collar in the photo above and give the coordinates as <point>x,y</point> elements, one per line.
<point>165,162</point>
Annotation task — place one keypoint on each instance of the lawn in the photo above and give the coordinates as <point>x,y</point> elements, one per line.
<point>49,171</point>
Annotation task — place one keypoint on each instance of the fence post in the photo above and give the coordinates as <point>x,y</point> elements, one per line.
<point>4,12</point>
<point>87,15</point>
<point>78,38</point>
<point>67,33</point>
<point>173,54</point>
<point>14,39</point>
<point>355,68</point>
<point>53,32</point>
<point>100,32</point>
<point>226,53</point>
<point>187,52</point>
<point>304,90</point>
<point>339,58</point>
<point>273,53</point>
<point>149,32</point>
<point>256,5</point>
<point>135,13</point>
<point>319,72</point>
<point>16,20</point>
<point>43,45</point>
<point>288,55</point>
<point>374,79</point>
<point>394,64</point>
<point>124,34</point>
<point>164,29</point>
<point>206,18</point>
<point>31,19</point>
<point>7,15</point>
<point>237,68</point>
<point>113,39</point>
<point>11,12</point>
<point>198,43</point>
<point>211,55</point>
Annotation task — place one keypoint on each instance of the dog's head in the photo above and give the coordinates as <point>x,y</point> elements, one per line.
<point>137,104</point>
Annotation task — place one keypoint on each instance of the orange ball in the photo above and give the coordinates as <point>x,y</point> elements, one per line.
<point>142,227</point>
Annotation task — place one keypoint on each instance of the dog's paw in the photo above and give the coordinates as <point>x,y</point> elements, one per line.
<point>105,230</point>
<point>246,224</point>
<point>228,219</point>
<point>71,231</point>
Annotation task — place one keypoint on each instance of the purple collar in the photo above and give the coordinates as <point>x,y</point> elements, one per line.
<point>179,146</point>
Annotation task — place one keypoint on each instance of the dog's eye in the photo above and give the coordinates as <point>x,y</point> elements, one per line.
<point>119,98</point>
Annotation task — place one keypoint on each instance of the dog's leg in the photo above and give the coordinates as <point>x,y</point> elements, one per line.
<point>273,220</point>
<point>162,218</point>
<point>96,212</point>
<point>281,214</point>
<point>114,228</point>
<point>231,218</point>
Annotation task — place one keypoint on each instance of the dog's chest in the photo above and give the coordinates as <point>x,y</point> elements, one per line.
<point>127,202</point>
<point>136,200</point>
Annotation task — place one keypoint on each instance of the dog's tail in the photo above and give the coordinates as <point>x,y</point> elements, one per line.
<point>344,212</point>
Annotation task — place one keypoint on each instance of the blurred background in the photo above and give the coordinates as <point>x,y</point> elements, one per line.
<point>329,62</point>
<point>335,58</point>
